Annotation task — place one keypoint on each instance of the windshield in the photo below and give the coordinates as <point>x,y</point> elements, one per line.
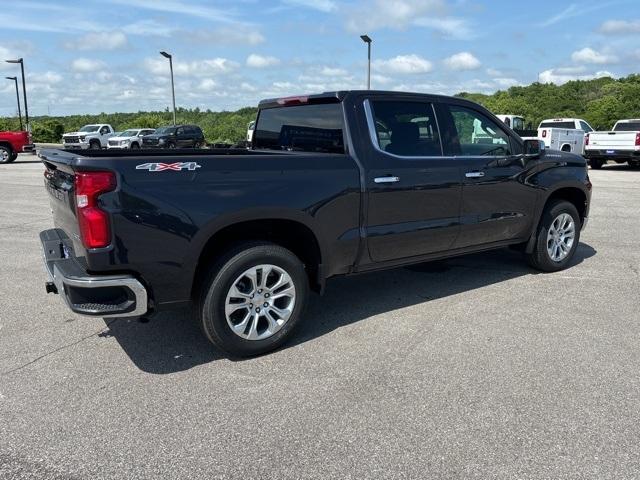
<point>165,130</point>
<point>129,133</point>
<point>89,128</point>
<point>627,127</point>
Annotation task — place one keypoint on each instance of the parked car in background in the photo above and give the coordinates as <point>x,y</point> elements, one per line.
<point>92,137</point>
<point>129,139</point>
<point>335,184</point>
<point>565,134</point>
<point>621,144</point>
<point>175,136</point>
<point>517,124</point>
<point>13,143</point>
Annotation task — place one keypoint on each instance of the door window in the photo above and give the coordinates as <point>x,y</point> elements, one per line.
<point>518,123</point>
<point>180,131</point>
<point>407,129</point>
<point>477,135</point>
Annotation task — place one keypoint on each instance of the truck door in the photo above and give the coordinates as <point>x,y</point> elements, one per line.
<point>497,201</point>
<point>414,192</point>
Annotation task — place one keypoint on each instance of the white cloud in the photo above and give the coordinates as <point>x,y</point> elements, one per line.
<point>333,72</point>
<point>462,61</point>
<point>403,64</point>
<point>503,82</point>
<point>86,65</point>
<point>238,35</point>
<point>397,14</point>
<point>179,7</point>
<point>259,61</point>
<point>448,27</point>
<point>98,41</point>
<point>378,79</point>
<point>618,27</point>
<point>563,75</point>
<point>160,66</point>
<point>589,55</point>
<point>207,85</point>
<point>321,5</point>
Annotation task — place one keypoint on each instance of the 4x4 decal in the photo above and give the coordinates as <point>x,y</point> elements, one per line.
<point>161,167</point>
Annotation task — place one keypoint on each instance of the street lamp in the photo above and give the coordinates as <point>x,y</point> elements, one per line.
<point>15,79</point>
<point>24,89</point>
<point>173,91</point>
<point>366,39</point>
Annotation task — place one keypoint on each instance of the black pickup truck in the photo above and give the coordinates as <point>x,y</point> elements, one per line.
<point>334,184</point>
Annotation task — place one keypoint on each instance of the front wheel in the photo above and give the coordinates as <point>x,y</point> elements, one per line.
<point>95,145</point>
<point>557,237</point>
<point>252,299</point>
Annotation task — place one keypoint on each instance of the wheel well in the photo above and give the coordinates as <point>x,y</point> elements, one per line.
<point>573,195</point>
<point>7,145</point>
<point>289,234</point>
<point>566,147</point>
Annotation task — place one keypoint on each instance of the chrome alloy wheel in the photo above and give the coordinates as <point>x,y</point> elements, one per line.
<point>4,155</point>
<point>259,302</point>
<point>560,237</point>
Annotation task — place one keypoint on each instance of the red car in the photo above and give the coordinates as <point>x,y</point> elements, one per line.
<point>13,143</point>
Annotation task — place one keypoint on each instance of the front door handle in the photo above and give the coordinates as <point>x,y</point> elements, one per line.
<point>474,174</point>
<point>388,179</point>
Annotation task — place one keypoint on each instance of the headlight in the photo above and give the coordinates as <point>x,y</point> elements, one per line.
<point>161,141</point>
<point>124,142</point>
<point>82,139</point>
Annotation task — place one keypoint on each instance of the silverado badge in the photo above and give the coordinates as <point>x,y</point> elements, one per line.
<point>160,167</point>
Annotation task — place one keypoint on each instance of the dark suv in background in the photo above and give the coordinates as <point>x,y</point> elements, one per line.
<point>175,136</point>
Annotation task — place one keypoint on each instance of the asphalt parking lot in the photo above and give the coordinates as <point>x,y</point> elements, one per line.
<point>477,367</point>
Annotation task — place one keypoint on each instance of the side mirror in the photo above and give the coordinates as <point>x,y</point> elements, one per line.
<point>533,148</point>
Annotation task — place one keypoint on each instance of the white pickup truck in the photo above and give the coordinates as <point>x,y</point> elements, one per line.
<point>621,144</point>
<point>566,134</point>
<point>92,137</point>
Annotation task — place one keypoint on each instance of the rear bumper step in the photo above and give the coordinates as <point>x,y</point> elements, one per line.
<point>95,295</point>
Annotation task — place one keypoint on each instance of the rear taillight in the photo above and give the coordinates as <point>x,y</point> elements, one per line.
<point>544,134</point>
<point>637,139</point>
<point>586,139</point>
<point>95,230</point>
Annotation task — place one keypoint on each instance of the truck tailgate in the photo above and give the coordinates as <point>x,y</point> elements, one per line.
<point>612,140</point>
<point>59,182</point>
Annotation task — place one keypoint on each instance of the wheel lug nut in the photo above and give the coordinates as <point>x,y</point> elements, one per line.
<point>260,291</point>
<point>258,309</point>
<point>266,295</point>
<point>265,305</point>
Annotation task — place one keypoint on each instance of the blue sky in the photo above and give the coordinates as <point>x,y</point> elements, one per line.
<point>102,55</point>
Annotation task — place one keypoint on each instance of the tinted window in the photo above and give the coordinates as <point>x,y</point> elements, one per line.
<point>408,129</point>
<point>627,127</point>
<point>180,131</point>
<point>476,134</point>
<point>518,124</point>
<point>305,128</point>
<point>585,127</point>
<point>570,125</point>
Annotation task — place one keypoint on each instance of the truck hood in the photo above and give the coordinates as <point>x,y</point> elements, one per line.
<point>77,134</point>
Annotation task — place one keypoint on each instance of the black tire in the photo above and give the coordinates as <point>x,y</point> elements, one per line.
<point>596,164</point>
<point>539,258</point>
<point>197,145</point>
<point>171,145</point>
<point>95,145</point>
<point>5,154</point>
<point>566,148</point>
<point>13,158</point>
<point>210,303</point>
<point>634,165</point>
<point>135,146</point>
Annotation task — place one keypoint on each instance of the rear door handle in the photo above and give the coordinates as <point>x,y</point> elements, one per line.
<point>474,174</point>
<point>388,179</point>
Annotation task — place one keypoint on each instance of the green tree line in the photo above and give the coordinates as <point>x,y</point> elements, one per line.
<point>228,127</point>
<point>601,102</point>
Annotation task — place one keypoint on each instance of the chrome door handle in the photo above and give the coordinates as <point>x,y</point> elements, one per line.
<point>474,174</point>
<point>389,179</point>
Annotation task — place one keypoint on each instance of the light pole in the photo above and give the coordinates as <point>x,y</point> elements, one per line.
<point>15,79</point>
<point>24,90</point>
<point>366,39</point>
<point>173,91</point>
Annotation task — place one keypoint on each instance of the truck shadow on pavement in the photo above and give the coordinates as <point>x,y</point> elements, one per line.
<point>171,342</point>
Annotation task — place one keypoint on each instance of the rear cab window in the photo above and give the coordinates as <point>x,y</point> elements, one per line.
<point>627,127</point>
<point>405,128</point>
<point>315,128</point>
<point>568,125</point>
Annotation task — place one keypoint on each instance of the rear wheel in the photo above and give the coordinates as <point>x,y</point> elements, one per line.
<point>171,145</point>
<point>252,299</point>
<point>596,164</point>
<point>557,237</point>
<point>6,154</point>
<point>634,164</point>
<point>566,148</point>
